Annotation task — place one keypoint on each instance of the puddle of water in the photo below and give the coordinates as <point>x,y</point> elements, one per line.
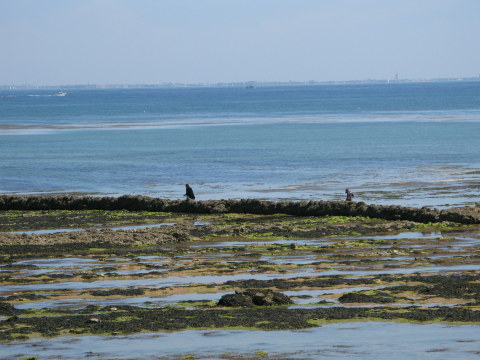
<point>213,256</point>
<point>135,227</point>
<point>357,340</point>
<point>316,293</point>
<point>408,235</point>
<point>67,262</point>
<point>54,231</point>
<point>72,265</point>
<point>159,301</point>
<point>141,301</point>
<point>182,281</point>
<point>410,270</point>
<point>201,223</point>
<point>239,243</point>
<point>467,241</point>
<point>135,272</point>
<point>151,257</point>
<point>203,279</point>
<point>65,265</point>
<point>54,265</point>
<point>154,283</point>
<point>430,240</point>
<point>49,231</point>
<point>294,259</point>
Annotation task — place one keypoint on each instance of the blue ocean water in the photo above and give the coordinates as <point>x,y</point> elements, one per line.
<point>414,144</point>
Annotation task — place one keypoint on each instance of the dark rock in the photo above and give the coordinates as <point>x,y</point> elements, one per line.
<point>355,297</point>
<point>123,292</point>
<point>6,308</point>
<point>26,296</point>
<point>12,319</point>
<point>181,236</point>
<point>236,300</point>
<point>254,297</point>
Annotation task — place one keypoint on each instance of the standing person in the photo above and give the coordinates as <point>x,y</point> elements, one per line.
<point>189,192</point>
<point>350,195</point>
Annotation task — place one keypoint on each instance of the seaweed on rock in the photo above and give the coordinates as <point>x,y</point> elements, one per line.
<point>465,215</point>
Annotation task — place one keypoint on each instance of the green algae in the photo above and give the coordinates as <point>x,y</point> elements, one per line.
<point>126,318</point>
<point>205,303</point>
<point>358,243</point>
<point>443,226</point>
<point>19,220</point>
<point>97,249</point>
<point>283,247</point>
<point>261,353</point>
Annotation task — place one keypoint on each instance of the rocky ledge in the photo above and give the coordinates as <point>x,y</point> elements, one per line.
<point>463,215</point>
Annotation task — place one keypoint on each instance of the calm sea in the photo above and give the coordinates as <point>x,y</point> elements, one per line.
<point>415,144</point>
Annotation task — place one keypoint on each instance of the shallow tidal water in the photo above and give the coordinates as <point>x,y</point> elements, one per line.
<point>402,144</point>
<point>193,274</point>
<point>356,340</point>
<point>399,256</point>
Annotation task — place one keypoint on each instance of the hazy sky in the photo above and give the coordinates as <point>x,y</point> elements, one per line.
<point>189,41</point>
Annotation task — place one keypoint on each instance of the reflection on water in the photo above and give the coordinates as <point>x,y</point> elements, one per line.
<point>142,301</point>
<point>241,243</point>
<point>126,227</point>
<point>67,262</point>
<point>218,279</point>
<point>409,235</point>
<point>150,282</point>
<point>359,340</point>
<point>48,231</point>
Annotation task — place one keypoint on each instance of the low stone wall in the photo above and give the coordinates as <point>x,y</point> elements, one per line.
<point>464,215</point>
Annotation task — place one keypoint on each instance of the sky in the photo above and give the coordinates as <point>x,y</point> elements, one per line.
<point>51,42</point>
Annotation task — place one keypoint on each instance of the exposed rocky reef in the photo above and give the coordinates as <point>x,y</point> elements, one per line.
<point>464,215</point>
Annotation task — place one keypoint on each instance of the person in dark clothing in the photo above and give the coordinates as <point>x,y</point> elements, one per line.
<point>189,192</point>
<point>349,195</point>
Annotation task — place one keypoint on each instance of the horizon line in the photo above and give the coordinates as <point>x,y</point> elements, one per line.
<point>234,83</point>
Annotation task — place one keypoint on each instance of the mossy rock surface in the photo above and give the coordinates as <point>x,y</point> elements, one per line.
<point>355,297</point>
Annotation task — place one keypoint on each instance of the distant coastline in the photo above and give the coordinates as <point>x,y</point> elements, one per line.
<point>249,84</point>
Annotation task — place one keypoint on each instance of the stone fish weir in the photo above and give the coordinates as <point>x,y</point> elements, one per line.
<point>463,215</point>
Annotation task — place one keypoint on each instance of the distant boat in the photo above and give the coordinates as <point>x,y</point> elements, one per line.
<point>250,86</point>
<point>60,93</point>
